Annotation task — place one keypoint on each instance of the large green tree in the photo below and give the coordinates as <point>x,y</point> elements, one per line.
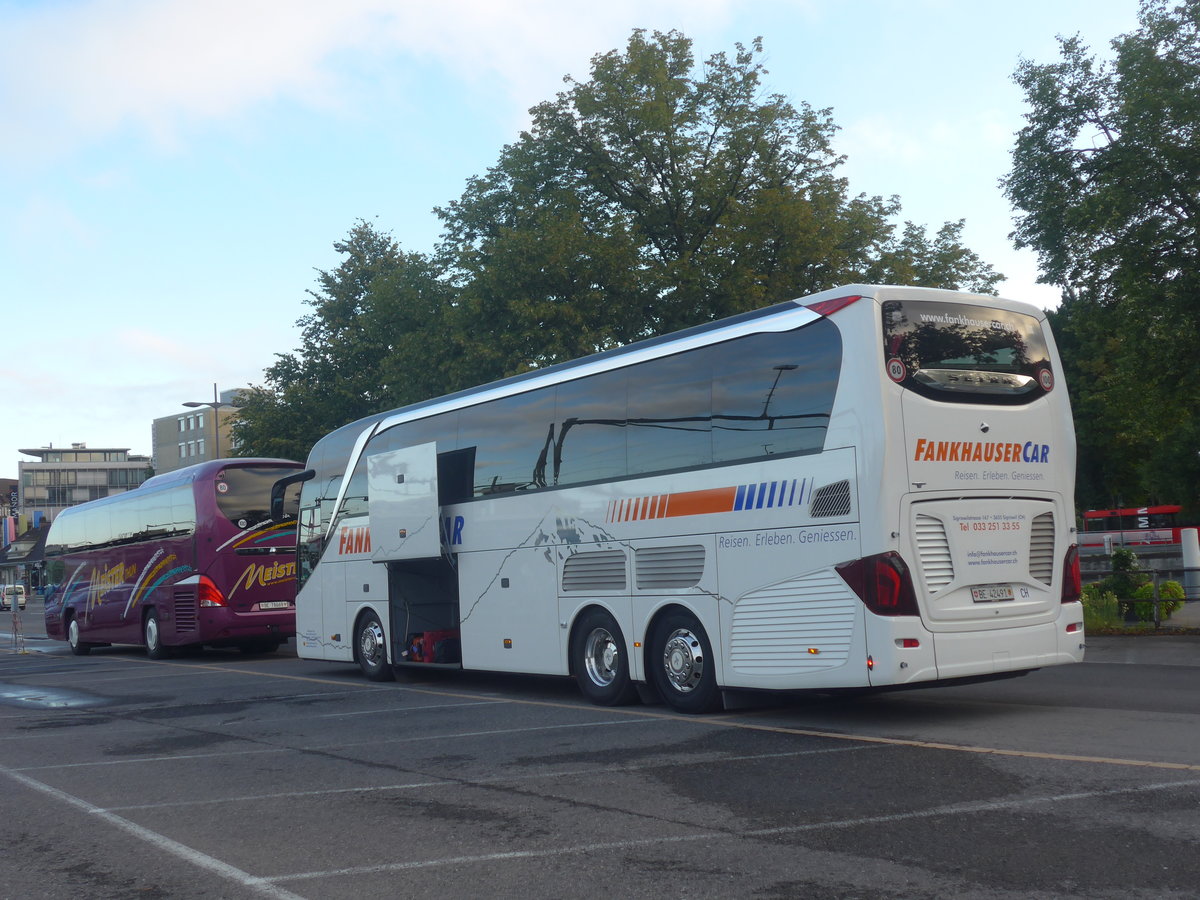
<point>366,346</point>
<point>656,195</point>
<point>660,194</point>
<point>1106,178</point>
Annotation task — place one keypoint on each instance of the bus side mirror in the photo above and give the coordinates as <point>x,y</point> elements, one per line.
<point>279,489</point>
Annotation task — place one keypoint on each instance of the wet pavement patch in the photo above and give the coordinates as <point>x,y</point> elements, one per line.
<point>26,697</point>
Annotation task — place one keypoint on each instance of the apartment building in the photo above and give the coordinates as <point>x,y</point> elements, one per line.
<point>66,476</point>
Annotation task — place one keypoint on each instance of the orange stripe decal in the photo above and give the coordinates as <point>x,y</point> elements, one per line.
<point>699,503</point>
<point>666,506</point>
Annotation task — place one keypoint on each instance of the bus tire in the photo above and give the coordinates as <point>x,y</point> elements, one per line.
<point>370,648</point>
<point>681,663</point>
<point>599,660</point>
<point>78,647</point>
<point>152,636</point>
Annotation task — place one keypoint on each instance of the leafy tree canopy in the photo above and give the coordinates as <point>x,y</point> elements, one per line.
<point>656,195</point>
<point>1106,178</point>
<point>371,318</point>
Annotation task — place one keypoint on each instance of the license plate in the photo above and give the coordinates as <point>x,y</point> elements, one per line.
<point>992,593</point>
<point>277,604</point>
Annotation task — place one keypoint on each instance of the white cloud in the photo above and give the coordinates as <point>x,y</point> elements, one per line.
<point>80,71</point>
<point>89,68</point>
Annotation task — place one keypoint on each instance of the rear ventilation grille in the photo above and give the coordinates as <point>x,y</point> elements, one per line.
<point>660,568</point>
<point>937,566</point>
<point>831,500</point>
<point>185,612</point>
<point>598,570</point>
<point>797,626</point>
<point>1041,548</point>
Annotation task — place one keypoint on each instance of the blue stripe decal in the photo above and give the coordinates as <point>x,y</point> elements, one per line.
<point>770,494</point>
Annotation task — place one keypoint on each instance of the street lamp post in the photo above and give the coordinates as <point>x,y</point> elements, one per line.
<point>215,404</point>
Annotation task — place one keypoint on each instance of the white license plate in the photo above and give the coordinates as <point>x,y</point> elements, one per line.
<point>992,593</point>
<point>274,604</point>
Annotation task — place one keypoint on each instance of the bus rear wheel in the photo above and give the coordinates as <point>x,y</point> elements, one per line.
<point>681,663</point>
<point>370,648</point>
<point>78,647</point>
<point>152,637</point>
<point>600,662</point>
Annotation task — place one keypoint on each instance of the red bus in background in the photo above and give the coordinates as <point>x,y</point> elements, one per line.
<point>189,557</point>
<point>1137,526</point>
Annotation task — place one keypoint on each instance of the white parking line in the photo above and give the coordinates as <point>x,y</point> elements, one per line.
<point>263,886</point>
<point>948,810</point>
<point>460,781</point>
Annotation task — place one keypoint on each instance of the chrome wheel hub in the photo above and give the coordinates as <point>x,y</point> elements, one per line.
<point>370,644</point>
<point>601,657</point>
<point>683,660</point>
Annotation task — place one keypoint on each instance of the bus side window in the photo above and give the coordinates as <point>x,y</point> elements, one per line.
<point>670,413</point>
<point>456,474</point>
<point>774,392</point>
<point>590,420</point>
<point>507,437</point>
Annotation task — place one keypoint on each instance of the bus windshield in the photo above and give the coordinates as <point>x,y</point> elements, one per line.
<point>965,353</point>
<point>244,495</point>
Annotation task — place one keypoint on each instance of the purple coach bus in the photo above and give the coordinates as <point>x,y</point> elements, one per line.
<point>190,557</point>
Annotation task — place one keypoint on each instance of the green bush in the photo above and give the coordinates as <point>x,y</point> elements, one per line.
<point>1127,574</point>
<point>1127,594</point>
<point>1170,595</point>
<point>1100,609</point>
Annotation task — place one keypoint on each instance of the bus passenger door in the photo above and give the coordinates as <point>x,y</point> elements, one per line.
<point>421,584</point>
<point>403,489</point>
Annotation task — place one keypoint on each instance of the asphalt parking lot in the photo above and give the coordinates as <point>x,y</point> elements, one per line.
<point>223,775</point>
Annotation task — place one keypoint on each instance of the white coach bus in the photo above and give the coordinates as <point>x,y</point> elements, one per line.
<point>869,487</point>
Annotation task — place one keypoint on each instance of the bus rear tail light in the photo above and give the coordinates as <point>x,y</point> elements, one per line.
<point>1072,588</point>
<point>208,593</point>
<point>883,584</point>
<point>829,307</point>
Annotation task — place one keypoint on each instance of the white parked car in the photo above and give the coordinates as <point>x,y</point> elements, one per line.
<point>10,591</point>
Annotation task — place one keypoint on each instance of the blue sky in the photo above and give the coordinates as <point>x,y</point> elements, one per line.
<point>174,172</point>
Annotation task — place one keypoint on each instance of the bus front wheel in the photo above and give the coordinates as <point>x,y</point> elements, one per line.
<point>78,647</point>
<point>681,663</point>
<point>370,647</point>
<point>600,662</point>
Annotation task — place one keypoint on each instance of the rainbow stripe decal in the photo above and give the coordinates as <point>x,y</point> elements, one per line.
<point>257,534</point>
<point>763,495</point>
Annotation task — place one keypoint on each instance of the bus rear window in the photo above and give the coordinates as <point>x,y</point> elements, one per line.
<point>244,495</point>
<point>964,353</point>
